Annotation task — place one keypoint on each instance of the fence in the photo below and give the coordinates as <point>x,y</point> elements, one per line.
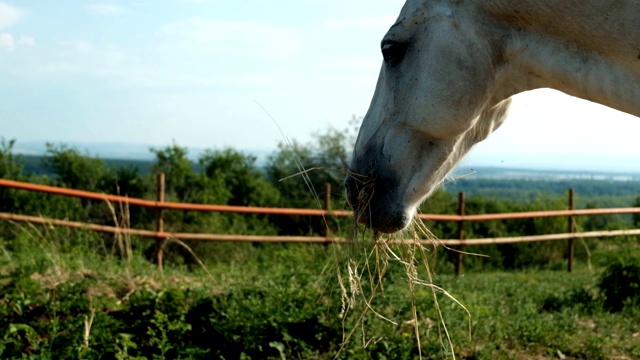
<point>461,218</point>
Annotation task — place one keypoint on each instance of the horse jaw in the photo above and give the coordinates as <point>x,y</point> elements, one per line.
<point>397,168</point>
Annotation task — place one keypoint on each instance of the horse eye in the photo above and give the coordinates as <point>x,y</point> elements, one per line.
<point>393,52</point>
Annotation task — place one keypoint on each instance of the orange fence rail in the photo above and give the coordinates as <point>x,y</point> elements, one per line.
<point>160,235</point>
<point>302,212</point>
<point>168,205</point>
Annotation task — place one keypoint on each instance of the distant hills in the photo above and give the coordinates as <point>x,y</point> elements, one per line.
<point>575,162</point>
<point>121,151</point>
<point>107,150</point>
<point>506,173</point>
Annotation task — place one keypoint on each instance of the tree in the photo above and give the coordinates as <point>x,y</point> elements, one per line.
<point>246,186</point>
<point>74,170</point>
<point>240,176</point>
<point>128,181</point>
<point>636,216</point>
<point>10,168</point>
<point>173,162</point>
<point>300,172</point>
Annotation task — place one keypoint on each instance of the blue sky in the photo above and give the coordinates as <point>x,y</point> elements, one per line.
<point>192,71</point>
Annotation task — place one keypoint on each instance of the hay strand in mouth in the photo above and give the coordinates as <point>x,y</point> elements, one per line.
<point>370,264</point>
<point>369,257</point>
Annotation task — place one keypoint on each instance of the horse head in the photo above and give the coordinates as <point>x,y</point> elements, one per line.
<point>449,70</point>
<point>433,101</point>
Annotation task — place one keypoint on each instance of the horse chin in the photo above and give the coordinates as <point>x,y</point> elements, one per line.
<point>377,207</point>
<point>390,225</point>
<point>385,218</point>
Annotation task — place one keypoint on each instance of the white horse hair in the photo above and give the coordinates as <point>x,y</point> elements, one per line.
<point>450,68</point>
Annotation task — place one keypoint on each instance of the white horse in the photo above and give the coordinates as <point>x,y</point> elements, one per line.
<point>450,68</point>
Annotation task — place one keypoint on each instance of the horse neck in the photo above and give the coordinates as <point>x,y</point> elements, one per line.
<point>585,48</point>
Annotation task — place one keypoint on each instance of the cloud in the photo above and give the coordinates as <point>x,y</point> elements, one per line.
<point>110,65</point>
<point>84,57</point>
<point>77,45</point>
<point>9,15</point>
<point>26,41</point>
<point>7,42</point>
<point>105,9</point>
<point>236,37</point>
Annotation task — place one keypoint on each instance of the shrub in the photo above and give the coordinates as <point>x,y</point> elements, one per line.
<point>580,298</point>
<point>620,283</point>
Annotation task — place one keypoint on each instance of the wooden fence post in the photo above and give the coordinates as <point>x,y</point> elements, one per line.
<point>159,253</point>
<point>570,230</point>
<point>460,234</point>
<point>327,207</point>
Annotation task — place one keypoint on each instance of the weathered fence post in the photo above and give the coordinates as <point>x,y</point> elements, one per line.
<point>570,230</point>
<point>460,233</point>
<point>327,207</point>
<point>159,253</point>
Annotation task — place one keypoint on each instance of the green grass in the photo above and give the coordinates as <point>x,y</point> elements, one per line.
<point>70,299</point>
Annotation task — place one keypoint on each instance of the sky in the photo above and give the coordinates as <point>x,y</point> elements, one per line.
<point>245,74</point>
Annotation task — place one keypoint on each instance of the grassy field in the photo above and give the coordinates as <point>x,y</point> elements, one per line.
<point>75,295</point>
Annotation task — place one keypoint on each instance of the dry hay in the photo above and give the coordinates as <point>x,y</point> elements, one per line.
<point>368,262</point>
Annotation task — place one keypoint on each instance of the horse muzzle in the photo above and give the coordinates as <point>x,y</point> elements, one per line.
<point>373,204</point>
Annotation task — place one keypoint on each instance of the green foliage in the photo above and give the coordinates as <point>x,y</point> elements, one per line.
<point>129,182</point>
<point>507,256</point>
<point>181,182</point>
<point>585,300</point>
<point>300,172</point>
<point>636,216</point>
<point>263,320</point>
<point>74,170</point>
<point>71,169</point>
<point>620,283</point>
<point>56,302</point>
<point>240,176</point>
<point>10,167</point>
<point>295,176</point>
<point>69,294</point>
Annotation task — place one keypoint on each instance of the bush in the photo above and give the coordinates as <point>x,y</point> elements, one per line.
<point>580,298</point>
<point>620,283</point>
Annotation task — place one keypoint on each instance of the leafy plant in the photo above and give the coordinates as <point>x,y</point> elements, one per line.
<point>620,283</point>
